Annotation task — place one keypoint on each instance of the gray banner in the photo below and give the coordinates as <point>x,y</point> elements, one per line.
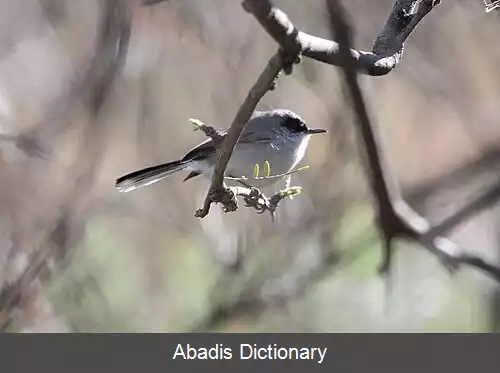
<point>249,352</point>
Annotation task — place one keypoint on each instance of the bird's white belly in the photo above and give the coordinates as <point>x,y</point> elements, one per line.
<point>244,159</point>
<point>245,156</point>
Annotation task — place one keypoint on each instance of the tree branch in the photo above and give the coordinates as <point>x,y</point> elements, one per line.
<point>492,6</point>
<point>387,50</point>
<point>395,218</point>
<point>388,47</point>
<point>218,191</point>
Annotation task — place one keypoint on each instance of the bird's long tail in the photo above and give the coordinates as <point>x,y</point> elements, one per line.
<point>147,176</point>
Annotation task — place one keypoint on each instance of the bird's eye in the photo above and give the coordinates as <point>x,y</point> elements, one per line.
<point>295,125</point>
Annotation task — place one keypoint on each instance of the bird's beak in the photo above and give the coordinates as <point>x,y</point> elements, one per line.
<point>312,131</point>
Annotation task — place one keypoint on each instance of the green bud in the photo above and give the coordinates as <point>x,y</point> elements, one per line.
<point>267,169</point>
<point>256,171</point>
<point>196,123</point>
<point>291,192</point>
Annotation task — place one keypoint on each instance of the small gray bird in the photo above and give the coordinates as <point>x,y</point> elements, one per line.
<point>277,136</point>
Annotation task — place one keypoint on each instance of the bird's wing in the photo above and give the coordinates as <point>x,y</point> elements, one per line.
<point>207,147</point>
<point>200,151</point>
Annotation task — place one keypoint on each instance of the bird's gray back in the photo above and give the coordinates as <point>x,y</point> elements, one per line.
<point>260,128</point>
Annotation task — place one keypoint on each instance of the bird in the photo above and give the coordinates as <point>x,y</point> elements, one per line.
<point>277,136</point>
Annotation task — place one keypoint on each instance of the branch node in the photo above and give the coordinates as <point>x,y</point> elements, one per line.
<point>209,131</point>
<point>225,196</point>
<point>288,59</point>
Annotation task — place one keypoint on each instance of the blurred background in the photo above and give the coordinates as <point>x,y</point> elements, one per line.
<point>93,99</point>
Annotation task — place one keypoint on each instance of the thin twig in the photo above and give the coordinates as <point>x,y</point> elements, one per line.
<point>270,177</point>
<point>209,131</point>
<point>494,5</point>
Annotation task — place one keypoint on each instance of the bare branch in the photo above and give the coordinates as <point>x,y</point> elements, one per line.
<point>387,50</point>
<point>485,200</point>
<point>389,46</point>
<point>218,192</point>
<point>492,6</point>
<point>209,131</point>
<point>383,186</point>
<point>256,199</point>
<point>396,219</point>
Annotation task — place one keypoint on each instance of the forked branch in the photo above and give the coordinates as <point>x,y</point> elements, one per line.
<point>387,51</point>
<point>395,218</point>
